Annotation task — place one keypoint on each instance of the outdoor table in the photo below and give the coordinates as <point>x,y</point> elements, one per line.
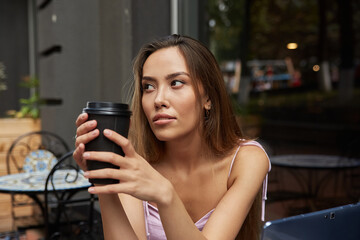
<point>311,171</point>
<point>32,184</point>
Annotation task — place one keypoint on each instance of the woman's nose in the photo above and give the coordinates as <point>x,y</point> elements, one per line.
<point>161,99</point>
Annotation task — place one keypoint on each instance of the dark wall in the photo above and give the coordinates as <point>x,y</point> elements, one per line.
<point>14,51</point>
<point>150,20</point>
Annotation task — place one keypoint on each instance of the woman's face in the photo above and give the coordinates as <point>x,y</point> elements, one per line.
<point>169,100</point>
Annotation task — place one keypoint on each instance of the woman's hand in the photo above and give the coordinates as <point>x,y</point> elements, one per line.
<point>85,133</point>
<point>137,177</point>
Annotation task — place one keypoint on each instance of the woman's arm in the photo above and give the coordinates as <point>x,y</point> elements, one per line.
<point>176,221</point>
<point>114,219</point>
<point>119,223</point>
<point>135,213</point>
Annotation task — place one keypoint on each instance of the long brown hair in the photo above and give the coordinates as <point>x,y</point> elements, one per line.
<point>221,132</point>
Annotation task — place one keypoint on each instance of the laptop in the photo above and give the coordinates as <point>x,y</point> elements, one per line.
<point>335,223</point>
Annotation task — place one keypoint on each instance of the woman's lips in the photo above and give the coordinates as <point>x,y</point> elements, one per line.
<point>161,119</point>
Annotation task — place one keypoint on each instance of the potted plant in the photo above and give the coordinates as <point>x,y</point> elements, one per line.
<point>27,119</point>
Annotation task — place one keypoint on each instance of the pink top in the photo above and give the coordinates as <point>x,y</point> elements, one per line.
<point>154,228</point>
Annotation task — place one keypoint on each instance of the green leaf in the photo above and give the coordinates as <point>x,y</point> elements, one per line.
<point>24,110</point>
<point>35,113</point>
<point>24,101</point>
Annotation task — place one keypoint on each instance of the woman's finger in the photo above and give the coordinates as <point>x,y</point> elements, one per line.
<point>108,157</point>
<point>126,187</point>
<point>123,175</point>
<point>81,119</point>
<point>86,127</point>
<point>123,142</point>
<point>87,137</point>
<point>77,155</point>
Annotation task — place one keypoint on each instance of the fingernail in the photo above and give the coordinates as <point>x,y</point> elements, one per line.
<point>86,174</point>
<point>91,190</point>
<point>82,116</point>
<point>94,132</point>
<point>107,132</point>
<point>85,155</point>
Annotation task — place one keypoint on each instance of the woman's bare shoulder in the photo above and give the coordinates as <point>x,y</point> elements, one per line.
<point>251,161</point>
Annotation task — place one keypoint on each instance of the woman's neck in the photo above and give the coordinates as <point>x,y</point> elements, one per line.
<point>186,154</point>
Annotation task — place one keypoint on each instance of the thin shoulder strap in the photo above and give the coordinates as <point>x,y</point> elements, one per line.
<point>233,160</point>
<point>146,215</point>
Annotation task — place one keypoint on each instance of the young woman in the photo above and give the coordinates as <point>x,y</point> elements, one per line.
<point>188,172</point>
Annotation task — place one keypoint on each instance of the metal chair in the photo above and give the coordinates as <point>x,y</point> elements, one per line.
<point>67,212</point>
<point>33,151</point>
<point>22,148</point>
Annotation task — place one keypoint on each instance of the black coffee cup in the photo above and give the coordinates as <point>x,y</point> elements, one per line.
<point>114,116</point>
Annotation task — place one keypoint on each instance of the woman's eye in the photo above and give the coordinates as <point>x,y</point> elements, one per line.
<point>177,83</point>
<point>147,86</point>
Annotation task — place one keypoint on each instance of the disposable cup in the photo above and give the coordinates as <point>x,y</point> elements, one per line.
<point>109,115</point>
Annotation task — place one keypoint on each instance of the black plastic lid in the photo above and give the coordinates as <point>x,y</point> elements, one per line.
<point>108,108</point>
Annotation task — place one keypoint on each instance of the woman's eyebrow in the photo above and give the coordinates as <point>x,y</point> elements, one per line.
<point>167,77</point>
<point>147,78</point>
<point>173,75</point>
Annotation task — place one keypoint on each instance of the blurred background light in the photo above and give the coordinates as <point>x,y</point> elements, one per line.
<point>292,46</point>
<point>316,68</point>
